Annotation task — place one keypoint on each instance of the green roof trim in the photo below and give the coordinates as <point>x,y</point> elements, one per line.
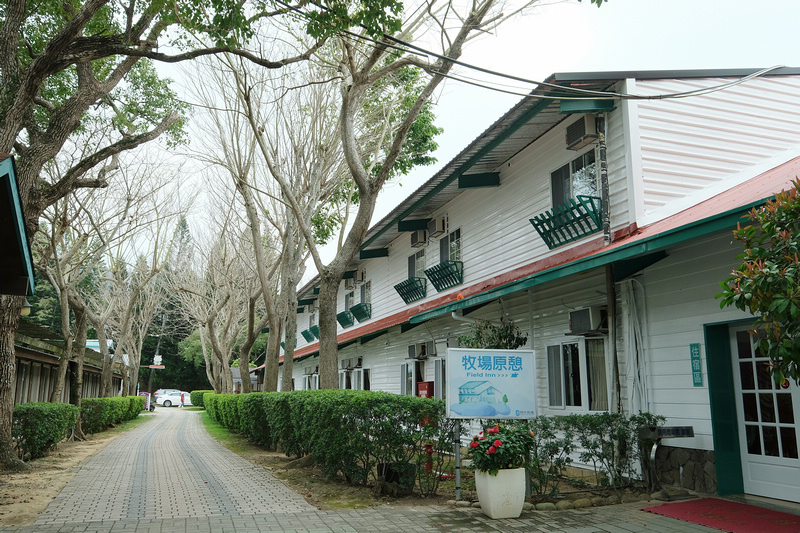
<point>477,181</point>
<point>373,253</point>
<point>587,106</point>
<point>413,225</point>
<point>643,247</point>
<point>19,279</point>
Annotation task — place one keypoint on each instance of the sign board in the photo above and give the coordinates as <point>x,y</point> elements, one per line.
<point>490,384</point>
<point>697,367</point>
<point>156,366</point>
<point>157,360</point>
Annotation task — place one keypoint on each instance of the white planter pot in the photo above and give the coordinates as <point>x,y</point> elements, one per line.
<point>501,496</point>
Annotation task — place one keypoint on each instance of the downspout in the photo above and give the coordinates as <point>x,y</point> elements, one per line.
<point>461,318</point>
<point>611,289</point>
<point>604,194</point>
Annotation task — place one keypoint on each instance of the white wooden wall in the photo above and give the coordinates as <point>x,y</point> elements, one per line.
<point>692,148</point>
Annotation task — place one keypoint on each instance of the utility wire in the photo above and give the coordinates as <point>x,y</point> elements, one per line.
<point>582,94</point>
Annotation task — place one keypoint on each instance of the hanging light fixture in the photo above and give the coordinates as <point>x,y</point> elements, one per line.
<point>26,308</point>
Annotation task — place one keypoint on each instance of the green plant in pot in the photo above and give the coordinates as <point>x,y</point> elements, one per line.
<point>499,455</point>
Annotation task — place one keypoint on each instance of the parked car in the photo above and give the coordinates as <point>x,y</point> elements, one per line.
<point>173,398</point>
<point>162,392</point>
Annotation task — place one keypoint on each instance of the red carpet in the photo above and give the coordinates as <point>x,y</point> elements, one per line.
<point>730,516</point>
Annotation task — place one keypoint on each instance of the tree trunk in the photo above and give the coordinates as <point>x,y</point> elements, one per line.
<point>273,353</point>
<point>9,321</point>
<point>80,354</point>
<point>66,354</point>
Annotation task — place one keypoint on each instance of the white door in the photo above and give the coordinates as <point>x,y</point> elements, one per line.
<point>767,416</point>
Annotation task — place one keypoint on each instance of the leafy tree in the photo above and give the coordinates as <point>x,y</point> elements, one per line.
<point>767,282</point>
<point>485,335</point>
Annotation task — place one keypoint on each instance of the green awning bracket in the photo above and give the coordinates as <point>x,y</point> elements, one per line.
<point>446,274</point>
<point>412,289</point>
<point>568,222</point>
<point>362,311</point>
<point>345,319</point>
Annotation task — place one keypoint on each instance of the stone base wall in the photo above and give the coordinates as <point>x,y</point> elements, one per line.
<point>687,468</point>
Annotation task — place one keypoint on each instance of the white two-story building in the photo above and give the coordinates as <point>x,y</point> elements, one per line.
<point>597,215</point>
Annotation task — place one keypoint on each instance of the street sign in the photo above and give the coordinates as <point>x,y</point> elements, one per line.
<point>156,366</point>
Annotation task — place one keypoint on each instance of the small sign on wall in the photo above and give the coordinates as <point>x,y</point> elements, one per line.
<point>697,367</point>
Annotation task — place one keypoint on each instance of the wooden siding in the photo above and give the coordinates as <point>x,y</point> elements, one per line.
<point>692,148</point>
<point>680,298</point>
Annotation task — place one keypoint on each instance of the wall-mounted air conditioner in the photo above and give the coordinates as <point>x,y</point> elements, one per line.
<point>421,350</point>
<point>419,238</point>
<point>581,133</point>
<point>437,226</point>
<point>312,307</point>
<point>589,319</point>
<point>349,284</point>
<point>347,364</point>
<point>361,275</point>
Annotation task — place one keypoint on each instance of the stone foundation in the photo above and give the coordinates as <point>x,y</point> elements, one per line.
<point>690,469</point>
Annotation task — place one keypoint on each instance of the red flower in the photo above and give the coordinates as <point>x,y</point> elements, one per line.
<point>498,443</point>
<point>483,438</point>
<point>473,444</point>
<point>493,430</point>
<point>491,449</point>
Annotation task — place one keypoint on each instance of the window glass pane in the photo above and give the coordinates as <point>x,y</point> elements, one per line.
<point>785,408</point>
<point>767,407</point>
<point>584,175</point>
<point>765,381</point>
<point>770,441</point>
<point>750,407</point>
<point>419,258</point>
<point>455,245</point>
<point>753,440</point>
<point>789,442</point>
<point>559,185</point>
<point>747,375</point>
<point>554,376</point>
<point>572,375</point>
<point>596,374</point>
<point>410,380</point>
<point>743,345</point>
<point>366,292</point>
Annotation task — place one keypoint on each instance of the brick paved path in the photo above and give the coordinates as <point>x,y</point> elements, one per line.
<point>170,476</point>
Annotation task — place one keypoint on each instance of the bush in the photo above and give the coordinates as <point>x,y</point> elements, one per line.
<point>550,455</point>
<point>38,427</point>
<point>98,414</point>
<point>196,397</point>
<point>348,433</point>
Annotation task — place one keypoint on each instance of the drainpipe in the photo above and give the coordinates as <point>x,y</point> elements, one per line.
<point>461,318</point>
<point>611,307</point>
<point>604,194</point>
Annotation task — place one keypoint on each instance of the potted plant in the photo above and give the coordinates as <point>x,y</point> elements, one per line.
<point>499,455</point>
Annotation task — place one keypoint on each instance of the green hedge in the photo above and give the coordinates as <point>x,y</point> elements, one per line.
<point>98,414</point>
<point>354,434</point>
<point>38,427</point>
<point>196,397</point>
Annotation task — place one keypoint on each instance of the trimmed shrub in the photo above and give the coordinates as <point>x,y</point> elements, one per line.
<point>98,414</point>
<point>196,397</point>
<point>359,435</point>
<point>38,427</point>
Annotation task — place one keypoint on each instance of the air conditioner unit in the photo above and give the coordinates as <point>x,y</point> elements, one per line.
<point>349,284</point>
<point>419,238</point>
<point>437,226</point>
<point>421,350</point>
<point>312,307</point>
<point>581,133</point>
<point>346,364</point>
<point>307,371</point>
<point>586,320</point>
<point>361,275</point>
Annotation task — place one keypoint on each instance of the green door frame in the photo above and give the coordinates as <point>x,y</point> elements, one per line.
<point>722,397</point>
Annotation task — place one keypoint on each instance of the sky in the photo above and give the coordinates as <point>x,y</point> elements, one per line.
<point>621,35</point>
